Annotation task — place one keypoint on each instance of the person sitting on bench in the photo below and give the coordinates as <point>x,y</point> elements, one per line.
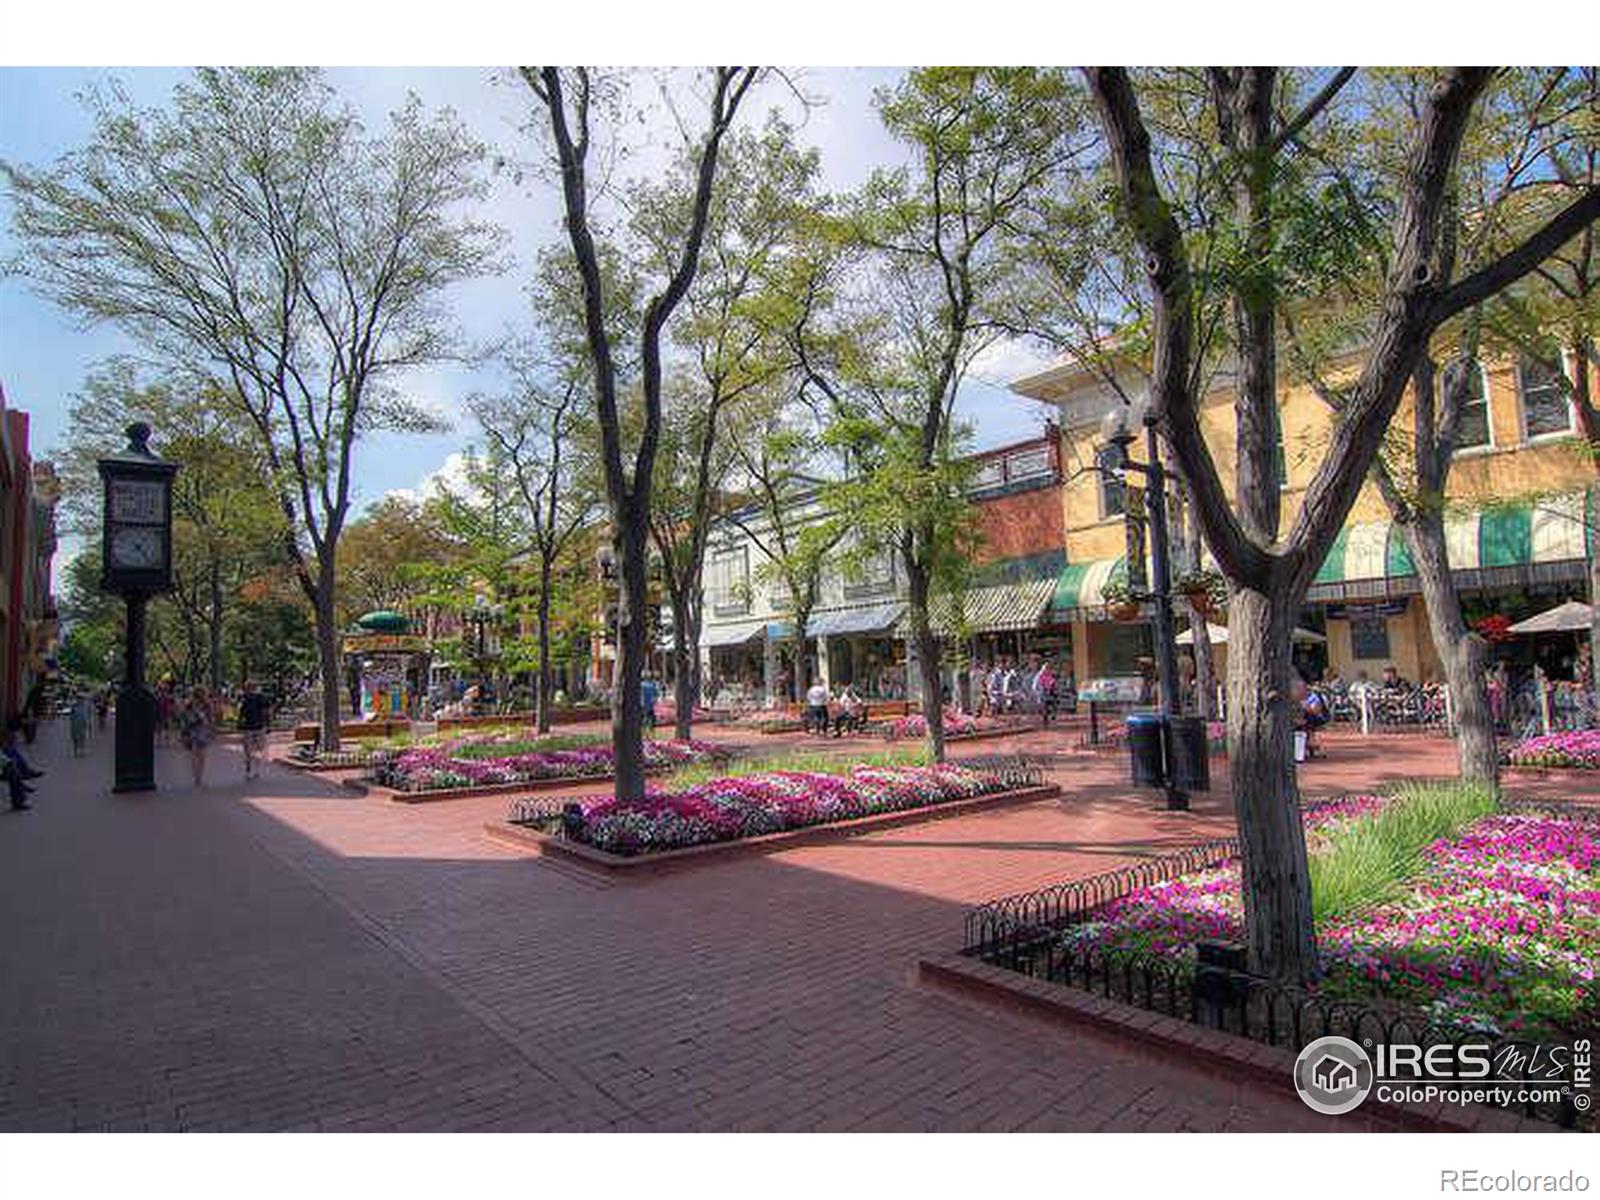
<point>852,712</point>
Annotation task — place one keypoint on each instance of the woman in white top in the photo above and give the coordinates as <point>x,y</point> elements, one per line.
<point>817,708</point>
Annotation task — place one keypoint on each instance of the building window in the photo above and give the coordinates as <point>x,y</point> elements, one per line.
<point>1545,408</point>
<point>1113,488</point>
<point>872,576</point>
<point>730,581</point>
<point>1473,431</point>
<point>990,474</point>
<point>1369,637</point>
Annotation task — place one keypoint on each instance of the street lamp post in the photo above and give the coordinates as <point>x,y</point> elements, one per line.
<point>1118,434</point>
<point>136,562</point>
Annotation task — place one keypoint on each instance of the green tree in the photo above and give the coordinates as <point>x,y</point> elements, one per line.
<point>761,207</point>
<point>572,105</point>
<point>985,143</point>
<point>1269,570</point>
<point>541,433</point>
<point>252,233</point>
<point>226,525</point>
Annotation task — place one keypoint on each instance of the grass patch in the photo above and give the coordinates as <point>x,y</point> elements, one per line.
<point>1371,858</point>
<point>695,774</point>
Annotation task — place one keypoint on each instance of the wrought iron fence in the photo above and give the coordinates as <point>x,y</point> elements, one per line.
<point>1033,933</point>
<point>994,928</point>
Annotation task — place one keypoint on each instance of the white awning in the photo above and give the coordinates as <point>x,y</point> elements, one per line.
<point>874,618</point>
<point>734,633</point>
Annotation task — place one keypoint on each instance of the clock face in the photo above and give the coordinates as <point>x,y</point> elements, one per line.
<point>138,549</point>
<point>138,502</point>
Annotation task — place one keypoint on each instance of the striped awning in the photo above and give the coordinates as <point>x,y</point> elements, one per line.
<point>734,633</point>
<point>1505,545</point>
<point>1082,584</point>
<point>874,618</point>
<point>1000,608</point>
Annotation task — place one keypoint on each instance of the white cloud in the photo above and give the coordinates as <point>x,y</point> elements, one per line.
<point>1008,359</point>
<point>451,474</point>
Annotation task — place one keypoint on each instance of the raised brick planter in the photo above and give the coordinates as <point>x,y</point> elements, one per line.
<point>399,796</point>
<point>643,865</point>
<point>1269,1066</point>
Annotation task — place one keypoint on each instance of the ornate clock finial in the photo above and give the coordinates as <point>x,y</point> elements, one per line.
<point>138,437</point>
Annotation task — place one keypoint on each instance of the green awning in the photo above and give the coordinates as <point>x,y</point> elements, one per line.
<point>1556,529</point>
<point>1082,584</point>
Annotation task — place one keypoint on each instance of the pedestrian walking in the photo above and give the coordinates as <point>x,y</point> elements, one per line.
<point>254,713</point>
<point>102,707</point>
<point>79,723</point>
<point>1044,686</point>
<point>649,693</point>
<point>197,727</point>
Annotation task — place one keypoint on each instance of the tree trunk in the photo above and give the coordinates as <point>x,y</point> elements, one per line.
<point>541,696</point>
<point>328,657</point>
<point>683,650</point>
<point>927,656</point>
<point>696,679</point>
<point>1205,690</point>
<point>1277,884</point>
<point>1205,662</point>
<point>1465,655</point>
<point>215,625</point>
<point>627,704</point>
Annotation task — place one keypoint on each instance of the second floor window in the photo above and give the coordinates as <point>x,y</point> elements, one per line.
<point>1113,490</point>
<point>872,576</point>
<point>730,580</point>
<point>1545,408</point>
<point>1474,428</point>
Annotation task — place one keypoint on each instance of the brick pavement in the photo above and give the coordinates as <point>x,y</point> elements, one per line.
<point>283,955</point>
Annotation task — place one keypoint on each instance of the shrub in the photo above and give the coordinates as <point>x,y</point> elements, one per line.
<point>1372,856</point>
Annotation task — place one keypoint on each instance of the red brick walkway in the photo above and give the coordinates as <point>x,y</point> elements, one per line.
<point>286,956</point>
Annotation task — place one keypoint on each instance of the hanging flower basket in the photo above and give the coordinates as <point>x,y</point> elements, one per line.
<point>1121,603</point>
<point>1207,591</point>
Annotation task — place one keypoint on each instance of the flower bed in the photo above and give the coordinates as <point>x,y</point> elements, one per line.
<point>749,806</point>
<point>1574,750</point>
<point>1497,930</point>
<point>956,725</point>
<point>492,760</point>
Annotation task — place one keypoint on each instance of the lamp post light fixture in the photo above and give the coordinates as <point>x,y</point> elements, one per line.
<point>1117,428</point>
<point>481,615</point>
<point>136,563</point>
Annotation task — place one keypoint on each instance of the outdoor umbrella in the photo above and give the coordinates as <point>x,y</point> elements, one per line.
<point>1571,617</point>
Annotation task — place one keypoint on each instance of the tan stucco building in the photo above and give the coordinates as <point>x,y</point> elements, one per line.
<point>1520,523</point>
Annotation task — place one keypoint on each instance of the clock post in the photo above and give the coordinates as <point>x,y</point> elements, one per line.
<point>136,563</point>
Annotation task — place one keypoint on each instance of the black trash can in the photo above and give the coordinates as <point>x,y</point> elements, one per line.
<point>1144,745</point>
<point>1188,755</point>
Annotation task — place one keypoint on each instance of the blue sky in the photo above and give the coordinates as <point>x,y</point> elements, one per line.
<point>44,354</point>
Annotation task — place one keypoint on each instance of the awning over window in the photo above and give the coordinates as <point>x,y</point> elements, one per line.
<point>1507,545</point>
<point>999,608</point>
<point>1081,584</point>
<point>732,634</point>
<point>874,618</point>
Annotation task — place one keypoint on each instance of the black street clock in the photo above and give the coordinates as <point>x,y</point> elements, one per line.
<point>137,554</point>
<point>136,562</point>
